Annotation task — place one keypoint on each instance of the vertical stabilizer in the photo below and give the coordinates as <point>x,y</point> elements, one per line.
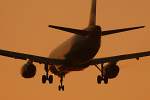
<point>92,20</point>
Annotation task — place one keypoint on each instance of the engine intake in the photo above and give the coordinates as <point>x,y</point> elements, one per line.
<point>28,70</point>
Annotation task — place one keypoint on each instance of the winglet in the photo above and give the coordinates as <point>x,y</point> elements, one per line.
<point>92,21</point>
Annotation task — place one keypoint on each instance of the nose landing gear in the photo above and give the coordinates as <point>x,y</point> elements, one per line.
<point>61,81</point>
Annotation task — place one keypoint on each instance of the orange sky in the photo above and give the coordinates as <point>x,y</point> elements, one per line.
<point>24,28</point>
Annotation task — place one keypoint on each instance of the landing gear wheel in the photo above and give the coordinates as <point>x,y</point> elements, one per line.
<point>105,80</point>
<point>99,79</point>
<point>50,79</point>
<point>62,88</point>
<point>59,87</point>
<point>43,79</point>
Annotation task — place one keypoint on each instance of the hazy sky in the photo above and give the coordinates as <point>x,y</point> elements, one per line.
<point>24,28</point>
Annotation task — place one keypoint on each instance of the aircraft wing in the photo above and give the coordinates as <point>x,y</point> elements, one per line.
<point>119,58</point>
<point>120,30</point>
<point>39,59</point>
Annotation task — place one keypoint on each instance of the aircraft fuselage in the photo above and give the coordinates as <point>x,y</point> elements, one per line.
<point>77,51</point>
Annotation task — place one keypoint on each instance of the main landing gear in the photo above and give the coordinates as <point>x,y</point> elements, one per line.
<point>50,78</point>
<point>45,77</point>
<point>61,81</point>
<point>102,77</point>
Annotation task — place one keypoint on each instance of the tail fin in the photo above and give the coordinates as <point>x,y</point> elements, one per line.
<point>92,21</point>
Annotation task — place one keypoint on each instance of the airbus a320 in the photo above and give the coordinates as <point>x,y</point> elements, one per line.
<point>76,54</point>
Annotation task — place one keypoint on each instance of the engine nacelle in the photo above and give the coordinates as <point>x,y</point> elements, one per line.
<point>28,70</point>
<point>111,70</point>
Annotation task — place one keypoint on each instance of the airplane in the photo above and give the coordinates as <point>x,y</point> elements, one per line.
<point>76,54</point>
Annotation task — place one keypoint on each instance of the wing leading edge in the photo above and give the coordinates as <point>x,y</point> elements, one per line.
<point>39,59</point>
<point>119,58</point>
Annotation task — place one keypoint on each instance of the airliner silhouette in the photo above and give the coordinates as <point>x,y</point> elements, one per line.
<point>76,54</point>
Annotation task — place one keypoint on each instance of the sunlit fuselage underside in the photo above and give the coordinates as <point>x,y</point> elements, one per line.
<point>77,52</point>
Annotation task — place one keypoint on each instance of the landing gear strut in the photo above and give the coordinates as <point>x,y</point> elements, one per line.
<point>61,81</point>
<point>45,77</point>
<point>100,78</point>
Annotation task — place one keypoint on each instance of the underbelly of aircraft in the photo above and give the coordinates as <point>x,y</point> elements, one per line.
<point>81,56</point>
<point>75,61</point>
<point>64,69</point>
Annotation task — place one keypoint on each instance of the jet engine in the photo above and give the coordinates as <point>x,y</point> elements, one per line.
<point>28,70</point>
<point>111,70</point>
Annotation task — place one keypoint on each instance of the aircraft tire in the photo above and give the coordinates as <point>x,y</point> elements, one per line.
<point>59,87</point>
<point>62,88</point>
<point>43,79</point>
<point>105,80</point>
<point>99,79</point>
<point>50,79</point>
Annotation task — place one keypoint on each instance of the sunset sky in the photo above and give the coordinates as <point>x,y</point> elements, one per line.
<point>24,28</point>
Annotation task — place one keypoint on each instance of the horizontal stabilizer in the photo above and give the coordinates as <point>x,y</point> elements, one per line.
<point>120,30</point>
<point>71,30</point>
